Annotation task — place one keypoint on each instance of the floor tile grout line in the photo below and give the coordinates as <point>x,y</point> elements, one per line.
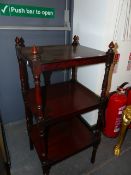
<point>108,161</point>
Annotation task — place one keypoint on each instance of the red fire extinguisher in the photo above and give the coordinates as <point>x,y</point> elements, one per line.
<point>113,114</point>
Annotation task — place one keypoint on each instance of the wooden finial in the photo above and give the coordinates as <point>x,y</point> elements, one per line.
<point>75,40</point>
<point>35,53</point>
<point>22,42</point>
<point>34,50</point>
<point>111,45</point>
<point>111,48</point>
<point>17,41</point>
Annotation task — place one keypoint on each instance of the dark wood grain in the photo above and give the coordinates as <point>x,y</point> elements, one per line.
<point>65,99</point>
<point>61,57</point>
<point>59,132</point>
<point>65,139</point>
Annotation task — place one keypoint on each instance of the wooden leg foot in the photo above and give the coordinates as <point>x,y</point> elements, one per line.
<point>46,169</point>
<point>8,169</point>
<point>31,144</point>
<point>94,153</point>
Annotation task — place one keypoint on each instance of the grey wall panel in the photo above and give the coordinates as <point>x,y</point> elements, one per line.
<point>11,102</point>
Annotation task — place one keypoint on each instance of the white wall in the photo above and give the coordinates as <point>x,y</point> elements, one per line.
<point>94,22</point>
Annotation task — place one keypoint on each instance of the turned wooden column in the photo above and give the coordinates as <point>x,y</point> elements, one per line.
<point>75,43</point>
<point>41,105</point>
<point>22,67</point>
<point>36,75</point>
<point>101,113</point>
<point>101,110</point>
<point>24,83</point>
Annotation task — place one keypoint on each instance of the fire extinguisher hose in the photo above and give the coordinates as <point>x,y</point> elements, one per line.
<point>122,86</point>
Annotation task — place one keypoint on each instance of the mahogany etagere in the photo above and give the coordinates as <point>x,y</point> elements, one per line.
<point>53,111</point>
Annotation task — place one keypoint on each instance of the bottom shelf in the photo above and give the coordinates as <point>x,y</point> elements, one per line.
<point>65,139</point>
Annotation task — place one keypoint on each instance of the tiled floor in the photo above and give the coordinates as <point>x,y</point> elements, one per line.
<point>26,162</point>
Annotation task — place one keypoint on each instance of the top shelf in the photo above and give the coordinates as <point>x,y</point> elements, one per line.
<point>64,56</point>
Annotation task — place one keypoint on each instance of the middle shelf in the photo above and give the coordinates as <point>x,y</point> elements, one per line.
<point>65,99</point>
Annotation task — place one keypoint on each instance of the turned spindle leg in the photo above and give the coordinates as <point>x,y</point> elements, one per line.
<point>46,168</point>
<point>126,119</point>
<point>94,152</point>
